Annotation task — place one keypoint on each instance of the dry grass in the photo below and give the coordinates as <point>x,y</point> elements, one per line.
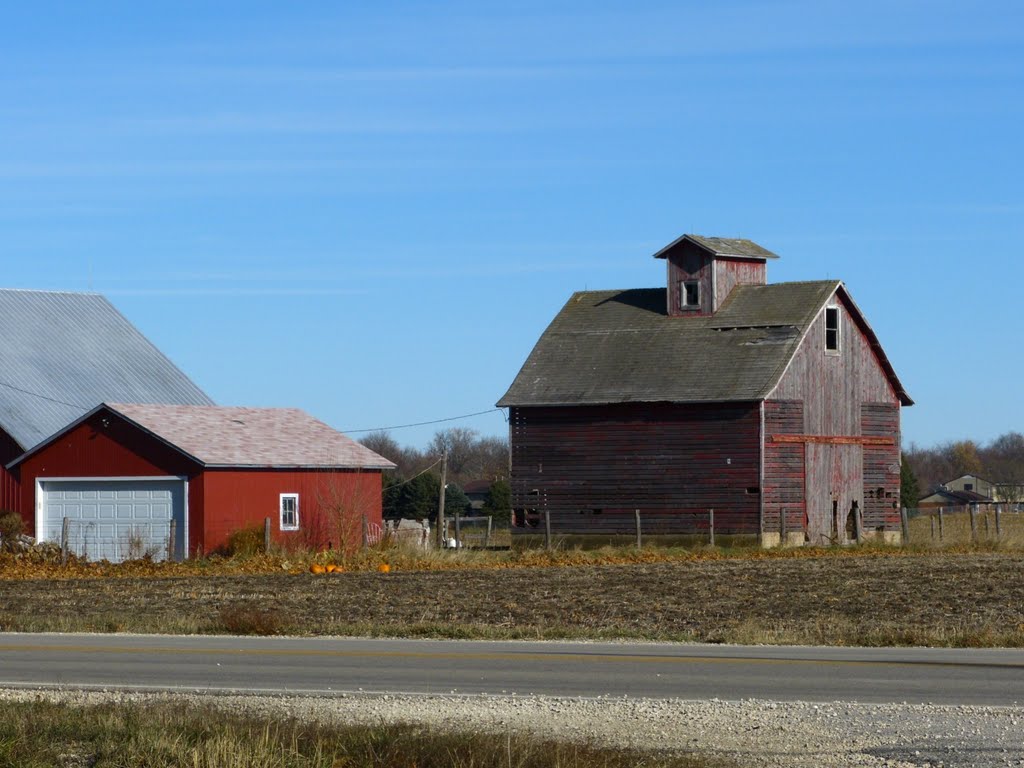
<point>171,735</point>
<point>956,530</point>
<point>857,597</point>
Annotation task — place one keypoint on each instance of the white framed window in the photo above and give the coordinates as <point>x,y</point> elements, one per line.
<point>689,294</point>
<point>289,511</point>
<point>832,330</point>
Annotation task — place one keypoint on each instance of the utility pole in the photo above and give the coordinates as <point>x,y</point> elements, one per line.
<point>440,501</point>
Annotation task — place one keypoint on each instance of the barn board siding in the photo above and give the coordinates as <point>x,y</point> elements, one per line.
<point>590,467</point>
<point>881,467</point>
<point>687,262</point>
<point>732,272</point>
<point>9,486</point>
<point>783,467</point>
<point>331,504</point>
<point>833,388</point>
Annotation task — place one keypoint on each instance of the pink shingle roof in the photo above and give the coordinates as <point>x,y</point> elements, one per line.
<point>251,437</point>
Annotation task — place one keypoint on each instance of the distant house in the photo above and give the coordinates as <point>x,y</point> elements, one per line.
<point>972,483</point>
<point>774,405</point>
<point>476,492</point>
<point>123,474</point>
<point>946,497</point>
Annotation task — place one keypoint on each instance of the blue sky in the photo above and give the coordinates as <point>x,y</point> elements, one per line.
<point>372,210</point>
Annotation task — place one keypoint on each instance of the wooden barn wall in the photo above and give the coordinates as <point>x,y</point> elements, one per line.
<point>9,485</point>
<point>332,503</point>
<point>688,262</point>
<point>732,272</point>
<point>95,449</point>
<point>590,467</point>
<point>833,389</point>
<point>881,467</point>
<point>783,468</point>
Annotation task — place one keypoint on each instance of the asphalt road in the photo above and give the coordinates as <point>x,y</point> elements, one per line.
<point>333,665</point>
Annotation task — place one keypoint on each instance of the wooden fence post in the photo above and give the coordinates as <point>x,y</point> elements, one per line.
<point>999,527</point>
<point>547,528</point>
<point>972,510</point>
<point>458,530</point>
<point>932,518</point>
<point>985,518</point>
<point>266,535</point>
<point>906,525</point>
<point>65,528</point>
<point>858,524</point>
<point>366,532</point>
<point>171,548</point>
<point>782,527</point>
<point>711,526</point>
<point>639,540</point>
<point>487,538</point>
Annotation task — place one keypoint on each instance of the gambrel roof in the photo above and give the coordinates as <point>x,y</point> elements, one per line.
<point>62,353</point>
<point>621,346</point>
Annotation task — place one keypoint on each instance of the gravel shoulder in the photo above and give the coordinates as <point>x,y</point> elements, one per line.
<point>757,733</point>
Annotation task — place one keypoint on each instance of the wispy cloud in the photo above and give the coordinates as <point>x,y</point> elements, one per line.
<point>234,291</point>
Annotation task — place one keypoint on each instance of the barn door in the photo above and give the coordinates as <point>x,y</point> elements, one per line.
<point>833,481</point>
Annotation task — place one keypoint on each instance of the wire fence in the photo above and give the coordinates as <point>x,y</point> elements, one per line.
<point>995,523</point>
<point>117,542</point>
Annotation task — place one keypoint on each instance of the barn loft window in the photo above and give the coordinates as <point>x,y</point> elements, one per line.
<point>689,294</point>
<point>289,511</point>
<point>832,329</point>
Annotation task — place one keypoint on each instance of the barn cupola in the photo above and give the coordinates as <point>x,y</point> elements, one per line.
<point>702,271</point>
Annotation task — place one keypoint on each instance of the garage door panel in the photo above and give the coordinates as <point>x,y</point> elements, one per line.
<point>115,519</point>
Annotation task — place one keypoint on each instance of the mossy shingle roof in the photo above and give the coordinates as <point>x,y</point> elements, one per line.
<point>621,346</point>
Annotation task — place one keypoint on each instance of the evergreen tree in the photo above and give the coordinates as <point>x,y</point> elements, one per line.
<point>455,500</point>
<point>498,501</point>
<point>909,491</point>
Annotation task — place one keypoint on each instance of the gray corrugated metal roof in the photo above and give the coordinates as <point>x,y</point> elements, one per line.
<point>621,346</point>
<point>63,353</point>
<point>734,247</point>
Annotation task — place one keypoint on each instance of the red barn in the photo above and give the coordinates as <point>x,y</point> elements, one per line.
<point>774,405</point>
<point>125,476</point>
<point>62,353</point>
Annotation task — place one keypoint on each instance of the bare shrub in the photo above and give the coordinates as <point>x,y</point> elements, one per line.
<point>245,542</point>
<point>11,528</point>
<point>246,619</point>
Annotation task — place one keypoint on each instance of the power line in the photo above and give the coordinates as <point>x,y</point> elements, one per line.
<point>423,423</point>
<point>404,482</point>
<point>42,397</point>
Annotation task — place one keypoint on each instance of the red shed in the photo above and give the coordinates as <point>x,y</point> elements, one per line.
<point>130,479</point>
<point>773,405</point>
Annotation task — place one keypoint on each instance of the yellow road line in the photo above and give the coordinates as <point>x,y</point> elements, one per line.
<point>486,656</point>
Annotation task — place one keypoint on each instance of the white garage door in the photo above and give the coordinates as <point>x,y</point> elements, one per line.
<point>115,520</point>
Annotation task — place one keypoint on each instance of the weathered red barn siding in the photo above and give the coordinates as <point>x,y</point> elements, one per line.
<point>732,272</point>
<point>881,467</point>
<point>94,450</point>
<point>687,262</point>
<point>9,487</point>
<point>590,467</point>
<point>332,504</point>
<point>833,388</point>
<point>783,491</point>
